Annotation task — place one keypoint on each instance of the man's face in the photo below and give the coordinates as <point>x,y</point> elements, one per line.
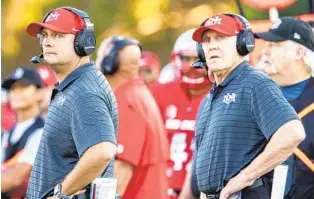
<point>23,96</point>
<point>58,47</point>
<point>188,73</point>
<point>130,58</point>
<point>277,57</point>
<point>220,50</point>
<point>147,74</point>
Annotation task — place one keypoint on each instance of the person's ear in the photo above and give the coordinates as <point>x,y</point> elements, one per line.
<point>300,53</point>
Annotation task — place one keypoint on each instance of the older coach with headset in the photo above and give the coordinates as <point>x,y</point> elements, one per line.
<point>79,138</point>
<point>245,126</point>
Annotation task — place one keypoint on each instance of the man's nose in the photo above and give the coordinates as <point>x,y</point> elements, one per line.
<point>47,42</point>
<point>212,45</point>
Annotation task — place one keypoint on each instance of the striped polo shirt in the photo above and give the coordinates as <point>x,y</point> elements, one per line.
<point>82,113</point>
<point>236,121</point>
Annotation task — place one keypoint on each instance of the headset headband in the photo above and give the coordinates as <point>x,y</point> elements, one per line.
<point>245,23</point>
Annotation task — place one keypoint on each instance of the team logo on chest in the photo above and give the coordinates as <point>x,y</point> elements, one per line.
<point>171,111</point>
<point>61,99</point>
<point>228,98</point>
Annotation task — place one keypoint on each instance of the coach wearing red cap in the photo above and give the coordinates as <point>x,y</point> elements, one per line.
<point>245,126</point>
<point>79,138</point>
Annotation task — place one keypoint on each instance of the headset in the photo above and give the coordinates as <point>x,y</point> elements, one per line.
<point>245,41</point>
<point>110,63</point>
<point>85,40</point>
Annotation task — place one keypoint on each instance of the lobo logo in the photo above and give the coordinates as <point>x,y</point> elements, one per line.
<point>61,99</point>
<point>228,98</point>
<point>52,17</point>
<point>213,21</point>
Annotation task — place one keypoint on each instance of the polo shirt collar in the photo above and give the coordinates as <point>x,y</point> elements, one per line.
<point>236,71</point>
<point>75,74</point>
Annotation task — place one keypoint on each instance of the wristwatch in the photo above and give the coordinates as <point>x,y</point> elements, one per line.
<point>58,194</point>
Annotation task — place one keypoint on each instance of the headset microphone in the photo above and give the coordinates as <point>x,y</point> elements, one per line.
<point>36,59</point>
<point>198,64</point>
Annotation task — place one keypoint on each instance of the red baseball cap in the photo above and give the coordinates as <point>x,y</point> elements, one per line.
<point>47,75</point>
<point>222,23</point>
<point>59,20</point>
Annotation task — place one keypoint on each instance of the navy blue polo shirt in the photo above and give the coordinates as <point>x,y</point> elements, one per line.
<point>83,113</point>
<point>238,118</point>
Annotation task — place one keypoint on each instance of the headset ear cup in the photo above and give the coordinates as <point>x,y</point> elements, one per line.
<point>106,66</point>
<point>245,42</point>
<point>77,44</point>
<point>115,62</point>
<point>200,52</point>
<point>241,44</point>
<point>250,41</point>
<point>88,42</point>
<point>109,67</point>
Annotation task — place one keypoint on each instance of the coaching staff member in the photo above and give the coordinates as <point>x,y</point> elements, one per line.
<point>143,150</point>
<point>246,127</point>
<point>79,138</point>
<point>288,59</point>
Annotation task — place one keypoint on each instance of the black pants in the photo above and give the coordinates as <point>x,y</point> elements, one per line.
<point>4,196</point>
<point>261,189</point>
<point>262,192</point>
<point>257,193</point>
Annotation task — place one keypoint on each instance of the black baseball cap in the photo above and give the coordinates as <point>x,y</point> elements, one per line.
<point>289,28</point>
<point>23,75</point>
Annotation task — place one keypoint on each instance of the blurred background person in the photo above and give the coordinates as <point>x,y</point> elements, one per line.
<point>143,150</point>
<point>166,74</point>
<point>150,68</point>
<point>8,117</point>
<point>8,120</point>
<point>24,87</point>
<point>178,102</point>
<point>288,58</point>
<point>49,79</point>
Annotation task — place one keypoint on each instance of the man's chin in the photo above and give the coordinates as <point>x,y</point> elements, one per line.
<point>216,67</point>
<point>51,60</point>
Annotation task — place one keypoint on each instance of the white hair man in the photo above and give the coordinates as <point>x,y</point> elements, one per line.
<point>289,59</point>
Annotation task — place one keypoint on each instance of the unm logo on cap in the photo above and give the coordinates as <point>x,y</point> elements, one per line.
<point>52,16</point>
<point>213,21</point>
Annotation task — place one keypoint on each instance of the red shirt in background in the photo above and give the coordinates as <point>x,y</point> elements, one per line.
<point>179,113</point>
<point>8,117</point>
<point>142,141</point>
